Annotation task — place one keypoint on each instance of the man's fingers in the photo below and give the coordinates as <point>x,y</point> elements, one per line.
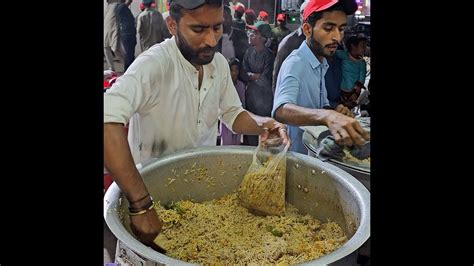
<point>346,138</point>
<point>283,134</point>
<point>361,131</point>
<point>356,137</point>
<point>264,134</point>
<point>337,137</point>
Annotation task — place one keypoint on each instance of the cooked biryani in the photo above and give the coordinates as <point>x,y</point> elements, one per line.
<point>348,157</point>
<point>263,190</point>
<point>221,231</point>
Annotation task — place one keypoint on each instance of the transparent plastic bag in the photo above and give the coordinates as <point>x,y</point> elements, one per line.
<point>262,190</point>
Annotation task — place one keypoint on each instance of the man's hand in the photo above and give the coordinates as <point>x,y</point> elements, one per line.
<point>273,128</point>
<point>344,110</point>
<point>119,162</point>
<point>346,130</point>
<point>146,227</point>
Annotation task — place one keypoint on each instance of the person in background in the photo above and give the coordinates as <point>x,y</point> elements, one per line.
<point>167,13</point>
<point>257,72</point>
<point>238,22</point>
<point>226,45</point>
<point>332,80</point>
<point>127,32</point>
<point>227,136</point>
<point>250,16</point>
<point>263,16</point>
<point>234,4</point>
<point>354,67</point>
<point>289,43</point>
<point>111,34</point>
<point>240,41</point>
<point>151,27</point>
<point>280,31</point>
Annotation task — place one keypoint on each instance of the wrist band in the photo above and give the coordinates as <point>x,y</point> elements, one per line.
<point>135,212</point>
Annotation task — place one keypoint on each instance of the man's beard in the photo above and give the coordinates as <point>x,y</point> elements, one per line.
<point>318,48</point>
<point>193,55</point>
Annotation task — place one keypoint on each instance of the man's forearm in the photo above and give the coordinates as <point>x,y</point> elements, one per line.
<point>119,162</point>
<point>249,124</point>
<point>301,116</point>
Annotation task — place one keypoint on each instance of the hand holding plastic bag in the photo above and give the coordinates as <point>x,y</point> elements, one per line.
<point>263,188</point>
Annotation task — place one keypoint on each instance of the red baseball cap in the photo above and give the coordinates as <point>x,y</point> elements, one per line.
<point>249,11</point>
<point>349,6</point>
<point>281,17</point>
<point>263,14</point>
<point>239,8</point>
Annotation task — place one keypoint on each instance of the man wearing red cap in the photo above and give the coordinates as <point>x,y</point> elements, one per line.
<point>238,22</point>
<point>289,43</point>
<point>250,16</point>
<point>281,30</point>
<point>234,4</point>
<point>263,16</point>
<point>301,96</point>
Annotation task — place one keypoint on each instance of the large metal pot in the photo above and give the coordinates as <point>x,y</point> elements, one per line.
<point>332,194</point>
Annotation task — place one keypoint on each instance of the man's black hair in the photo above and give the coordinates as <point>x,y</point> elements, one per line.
<point>355,40</point>
<point>176,10</point>
<point>234,61</point>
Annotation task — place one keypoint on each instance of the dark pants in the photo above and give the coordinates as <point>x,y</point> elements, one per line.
<point>250,140</point>
<point>128,43</point>
<point>258,100</point>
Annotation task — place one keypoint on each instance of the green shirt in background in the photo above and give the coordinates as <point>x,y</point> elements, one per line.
<point>352,70</point>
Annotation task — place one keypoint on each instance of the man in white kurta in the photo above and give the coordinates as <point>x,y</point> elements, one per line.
<point>173,95</point>
<point>172,113</point>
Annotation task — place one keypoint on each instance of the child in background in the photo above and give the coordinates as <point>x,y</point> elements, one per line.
<point>353,68</point>
<point>227,137</point>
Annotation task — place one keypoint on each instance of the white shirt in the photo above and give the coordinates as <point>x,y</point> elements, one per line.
<point>160,90</point>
